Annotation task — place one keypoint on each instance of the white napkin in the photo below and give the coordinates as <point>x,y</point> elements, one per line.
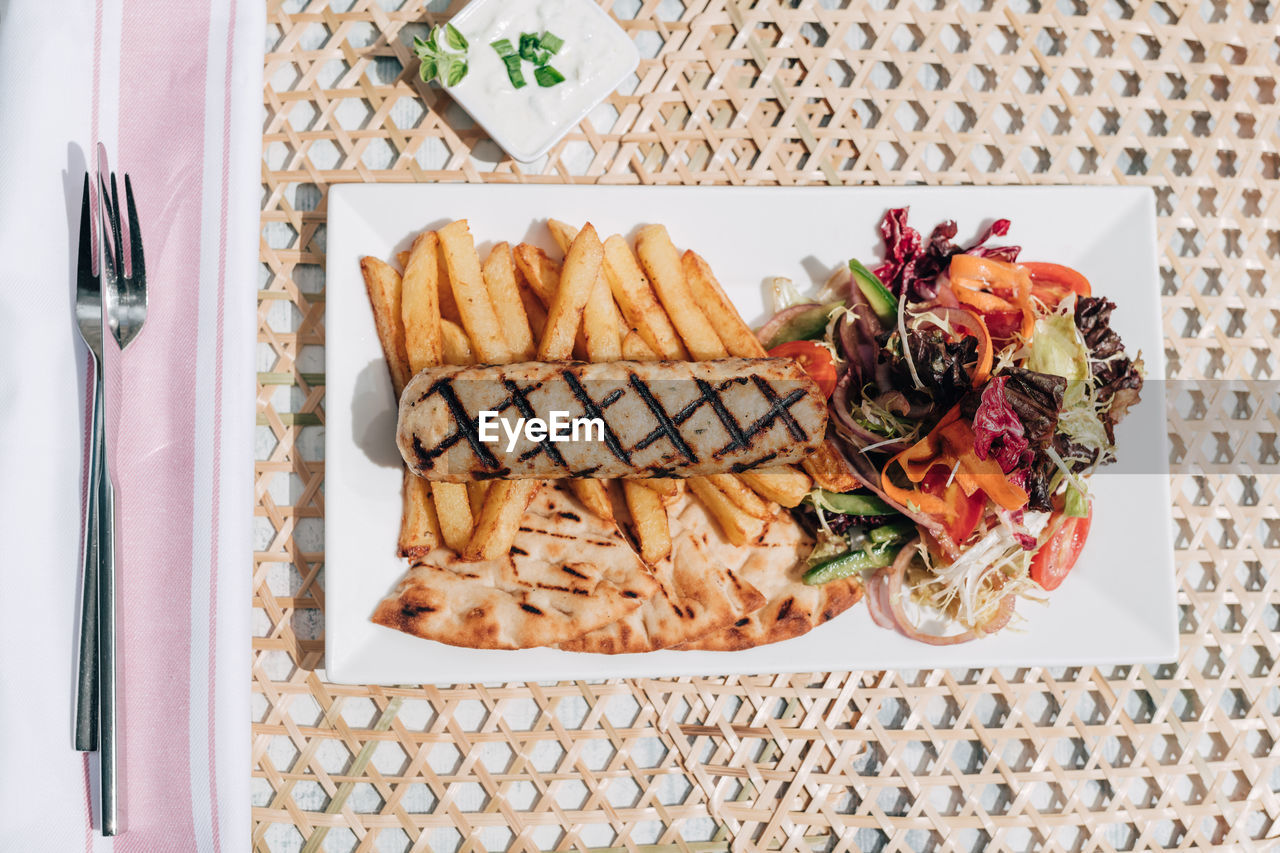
<point>174,92</point>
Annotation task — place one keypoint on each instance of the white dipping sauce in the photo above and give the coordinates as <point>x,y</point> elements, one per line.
<point>594,59</point>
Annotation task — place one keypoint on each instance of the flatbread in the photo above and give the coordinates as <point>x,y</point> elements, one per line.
<point>702,587</point>
<point>794,608</point>
<point>567,573</point>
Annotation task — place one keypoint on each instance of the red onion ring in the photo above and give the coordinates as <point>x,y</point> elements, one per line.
<point>877,603</point>
<point>892,576</point>
<point>769,329</point>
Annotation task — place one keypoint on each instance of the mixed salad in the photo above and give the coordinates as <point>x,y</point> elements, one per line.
<point>971,396</point>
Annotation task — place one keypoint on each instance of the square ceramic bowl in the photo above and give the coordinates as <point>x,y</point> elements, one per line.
<point>596,57</point>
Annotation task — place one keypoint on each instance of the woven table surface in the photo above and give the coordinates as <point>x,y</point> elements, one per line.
<point>1177,97</point>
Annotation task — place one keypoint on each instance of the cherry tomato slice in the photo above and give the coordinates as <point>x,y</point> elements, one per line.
<point>1057,278</point>
<point>966,509</point>
<point>1055,558</point>
<point>816,360</point>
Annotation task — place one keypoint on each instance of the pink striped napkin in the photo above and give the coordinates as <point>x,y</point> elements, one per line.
<point>173,89</point>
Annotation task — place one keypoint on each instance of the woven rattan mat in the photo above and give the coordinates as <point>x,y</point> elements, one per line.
<point>1173,96</point>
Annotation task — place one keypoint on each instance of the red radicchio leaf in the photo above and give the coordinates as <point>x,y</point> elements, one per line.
<point>912,264</point>
<point>1026,540</point>
<point>901,244</point>
<point>997,431</point>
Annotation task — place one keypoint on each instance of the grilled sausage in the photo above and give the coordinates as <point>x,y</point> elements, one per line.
<point>657,419</point>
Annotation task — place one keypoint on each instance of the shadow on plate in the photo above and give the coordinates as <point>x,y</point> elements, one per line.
<point>373,416</point>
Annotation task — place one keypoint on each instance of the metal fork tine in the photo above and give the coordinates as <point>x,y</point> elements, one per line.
<point>108,228</point>
<point>115,227</point>
<point>137,266</point>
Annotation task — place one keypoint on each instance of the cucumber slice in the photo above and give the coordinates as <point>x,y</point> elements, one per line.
<point>806,326</point>
<point>849,563</point>
<point>851,504</point>
<point>894,531</point>
<point>883,303</point>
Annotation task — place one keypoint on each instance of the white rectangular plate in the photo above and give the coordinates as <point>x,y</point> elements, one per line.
<point>1117,606</point>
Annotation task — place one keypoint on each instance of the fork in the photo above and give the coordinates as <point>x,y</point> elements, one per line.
<point>89,320</point>
<point>125,289</point>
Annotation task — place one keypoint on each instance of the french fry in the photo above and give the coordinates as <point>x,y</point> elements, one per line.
<point>476,491</point>
<point>664,486</point>
<point>448,308</point>
<point>534,310</point>
<point>581,266</point>
<point>474,305</point>
<point>500,279</point>
<point>457,349</point>
<point>661,263</point>
<point>594,495</point>
<point>504,505</point>
<point>747,500</point>
<point>738,526</point>
<point>601,322</point>
<point>733,332</point>
<point>450,520</point>
<point>448,305</point>
<point>506,501</point>
<point>384,286</point>
<point>639,303</point>
<point>602,341</point>
<point>829,470</point>
<point>634,348</point>
<point>420,304</point>
<point>453,510</point>
<point>419,528</point>
<point>781,484</point>
<point>650,519</point>
<point>540,272</point>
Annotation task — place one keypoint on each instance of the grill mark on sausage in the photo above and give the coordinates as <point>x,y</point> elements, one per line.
<point>666,427</point>
<point>593,410</point>
<point>520,398</point>
<point>739,467</point>
<point>779,407</point>
<point>737,437</point>
<point>466,427</point>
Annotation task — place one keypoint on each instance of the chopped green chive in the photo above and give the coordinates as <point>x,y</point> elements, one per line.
<point>512,61</point>
<point>503,47</point>
<point>529,43</point>
<point>551,43</point>
<point>547,76</point>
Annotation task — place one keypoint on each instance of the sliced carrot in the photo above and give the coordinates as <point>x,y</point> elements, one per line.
<point>985,355</point>
<point>951,444</point>
<point>986,285</point>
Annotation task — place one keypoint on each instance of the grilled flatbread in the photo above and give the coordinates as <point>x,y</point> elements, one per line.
<point>794,608</point>
<point>568,573</point>
<point>703,586</point>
